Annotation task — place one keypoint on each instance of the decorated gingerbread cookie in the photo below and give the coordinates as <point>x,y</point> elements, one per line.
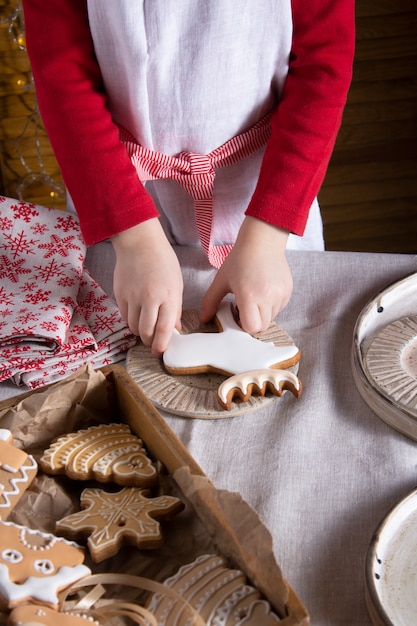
<point>113,519</point>
<point>17,471</point>
<point>32,615</point>
<point>106,452</point>
<point>259,382</point>
<point>35,566</point>
<point>230,351</point>
<point>220,595</point>
<point>252,366</point>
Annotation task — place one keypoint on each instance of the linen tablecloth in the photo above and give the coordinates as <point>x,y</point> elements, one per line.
<point>321,471</point>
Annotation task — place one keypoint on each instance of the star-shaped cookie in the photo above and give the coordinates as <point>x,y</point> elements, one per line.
<point>112,519</point>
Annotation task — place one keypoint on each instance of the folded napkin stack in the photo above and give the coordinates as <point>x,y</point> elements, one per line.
<point>54,317</point>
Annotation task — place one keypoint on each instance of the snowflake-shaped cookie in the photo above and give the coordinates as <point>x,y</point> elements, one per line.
<point>111,519</point>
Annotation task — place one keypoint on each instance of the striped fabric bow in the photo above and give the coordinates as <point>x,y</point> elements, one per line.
<point>196,174</point>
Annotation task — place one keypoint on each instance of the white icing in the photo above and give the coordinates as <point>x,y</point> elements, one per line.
<point>15,482</point>
<point>37,588</point>
<point>44,566</point>
<point>48,538</point>
<point>28,615</point>
<point>25,533</point>
<point>231,351</point>
<point>8,468</point>
<point>11,556</point>
<point>5,434</point>
<point>257,377</point>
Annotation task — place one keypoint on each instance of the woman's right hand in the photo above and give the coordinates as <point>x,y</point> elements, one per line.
<point>148,283</point>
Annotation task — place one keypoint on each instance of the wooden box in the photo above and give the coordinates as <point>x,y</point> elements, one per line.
<point>219,513</point>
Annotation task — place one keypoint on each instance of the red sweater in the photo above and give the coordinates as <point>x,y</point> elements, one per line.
<point>95,167</point>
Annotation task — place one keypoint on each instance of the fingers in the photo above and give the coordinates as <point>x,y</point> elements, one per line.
<point>154,325</point>
<point>254,318</point>
<point>165,324</point>
<point>214,295</point>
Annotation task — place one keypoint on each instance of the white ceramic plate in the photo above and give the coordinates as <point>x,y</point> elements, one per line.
<point>391,567</point>
<point>384,354</point>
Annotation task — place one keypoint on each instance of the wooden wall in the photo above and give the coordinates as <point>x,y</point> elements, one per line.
<point>369,196</point>
<point>27,166</point>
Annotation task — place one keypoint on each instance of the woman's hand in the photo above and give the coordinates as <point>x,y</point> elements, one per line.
<point>257,273</point>
<point>148,283</point>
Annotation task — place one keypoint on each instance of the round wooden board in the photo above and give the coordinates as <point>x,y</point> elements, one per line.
<point>194,396</point>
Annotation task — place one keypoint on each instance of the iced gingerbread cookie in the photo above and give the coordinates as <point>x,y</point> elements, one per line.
<point>32,615</point>
<point>219,594</point>
<point>259,382</point>
<point>110,452</point>
<point>111,520</point>
<point>17,471</point>
<point>36,566</point>
<point>230,351</point>
<point>253,366</point>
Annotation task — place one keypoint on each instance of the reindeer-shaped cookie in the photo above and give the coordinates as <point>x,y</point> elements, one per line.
<point>251,365</point>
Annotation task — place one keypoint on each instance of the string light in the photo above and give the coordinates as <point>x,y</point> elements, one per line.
<point>14,21</point>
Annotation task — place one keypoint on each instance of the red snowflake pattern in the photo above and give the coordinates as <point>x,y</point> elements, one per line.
<point>66,281</point>
<point>24,330</point>
<point>67,301</point>
<point>5,223</point>
<point>92,303</point>
<point>19,245</point>
<point>39,295</point>
<point>105,322</point>
<point>27,316</point>
<point>29,285</point>
<point>54,316</point>
<point>25,211</point>
<point>50,270</point>
<point>65,317</point>
<point>67,223</point>
<point>59,246</point>
<point>6,297</point>
<point>11,270</point>
<point>39,228</point>
<point>49,326</point>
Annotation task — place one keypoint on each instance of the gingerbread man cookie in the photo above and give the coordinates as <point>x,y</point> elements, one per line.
<point>106,452</point>
<point>17,471</point>
<point>35,566</point>
<point>113,519</point>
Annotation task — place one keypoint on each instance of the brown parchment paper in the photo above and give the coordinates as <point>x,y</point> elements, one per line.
<point>213,521</point>
<point>238,533</point>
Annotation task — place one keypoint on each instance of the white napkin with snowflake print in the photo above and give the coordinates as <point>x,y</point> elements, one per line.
<point>53,315</point>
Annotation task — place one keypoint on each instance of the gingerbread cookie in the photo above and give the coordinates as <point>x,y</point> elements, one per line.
<point>32,615</point>
<point>260,382</point>
<point>107,453</point>
<point>113,519</point>
<point>17,471</point>
<point>220,595</point>
<point>35,566</point>
<point>230,351</point>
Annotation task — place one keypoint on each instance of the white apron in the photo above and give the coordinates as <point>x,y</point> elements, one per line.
<point>146,48</point>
